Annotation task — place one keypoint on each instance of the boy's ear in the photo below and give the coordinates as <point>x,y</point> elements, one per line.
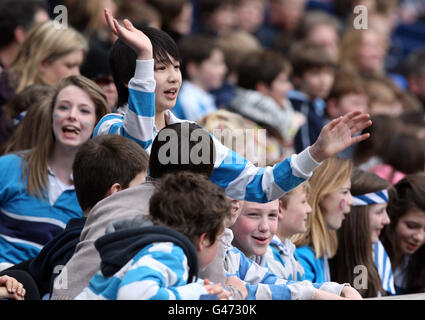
<point>203,242</point>
<point>116,187</point>
<point>236,205</point>
<point>262,87</point>
<point>281,210</point>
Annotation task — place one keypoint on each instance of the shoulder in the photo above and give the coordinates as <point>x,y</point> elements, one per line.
<point>10,161</point>
<point>305,253</point>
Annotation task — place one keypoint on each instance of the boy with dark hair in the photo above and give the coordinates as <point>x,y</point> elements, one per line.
<point>16,18</point>
<point>261,95</point>
<point>105,165</point>
<point>203,69</point>
<point>171,153</point>
<point>313,78</point>
<point>181,233</point>
<point>102,166</point>
<point>216,16</point>
<point>348,93</point>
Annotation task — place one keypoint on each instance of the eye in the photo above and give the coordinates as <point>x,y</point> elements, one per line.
<point>253,215</point>
<point>160,68</point>
<point>273,215</point>
<point>62,107</point>
<point>177,66</point>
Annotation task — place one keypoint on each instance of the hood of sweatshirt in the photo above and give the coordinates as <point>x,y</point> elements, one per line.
<point>126,237</point>
<point>263,110</point>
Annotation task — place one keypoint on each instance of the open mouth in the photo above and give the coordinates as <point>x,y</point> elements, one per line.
<point>71,130</point>
<point>171,93</point>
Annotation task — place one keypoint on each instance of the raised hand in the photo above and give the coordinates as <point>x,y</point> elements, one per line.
<point>338,135</point>
<point>133,37</point>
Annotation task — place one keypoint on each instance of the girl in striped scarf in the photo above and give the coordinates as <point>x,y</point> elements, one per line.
<point>361,258</point>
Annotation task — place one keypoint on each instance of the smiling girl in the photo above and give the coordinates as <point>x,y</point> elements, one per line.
<point>404,237</point>
<point>37,195</point>
<point>358,238</point>
<point>330,199</point>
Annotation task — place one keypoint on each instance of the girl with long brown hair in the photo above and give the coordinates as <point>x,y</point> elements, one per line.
<point>404,237</point>
<point>361,259</point>
<point>37,196</point>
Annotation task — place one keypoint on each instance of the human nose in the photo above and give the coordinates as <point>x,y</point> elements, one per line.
<point>308,208</point>
<point>386,220</point>
<point>350,198</point>
<point>263,226</point>
<point>72,114</point>
<point>75,71</point>
<point>174,75</point>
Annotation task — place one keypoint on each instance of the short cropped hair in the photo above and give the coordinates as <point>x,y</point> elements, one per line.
<point>190,204</point>
<point>346,83</point>
<point>262,65</point>
<point>284,200</point>
<point>102,161</point>
<point>183,146</point>
<point>306,56</point>
<point>122,58</point>
<point>196,48</point>
<point>17,13</point>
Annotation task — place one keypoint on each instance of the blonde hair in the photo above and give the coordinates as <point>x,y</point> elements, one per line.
<point>284,200</point>
<point>35,161</point>
<point>351,42</point>
<point>44,42</point>
<point>327,178</point>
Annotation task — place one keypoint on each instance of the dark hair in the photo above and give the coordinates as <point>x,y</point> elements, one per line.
<point>346,83</point>
<point>207,7</point>
<point>183,146</point>
<point>22,101</point>
<point>196,48</point>
<point>122,59</point>
<point>406,153</point>
<point>382,129</point>
<point>354,242</point>
<point>407,194</point>
<point>190,204</point>
<point>415,64</point>
<point>17,13</point>
<point>306,56</point>
<point>102,161</point>
<point>169,10</point>
<point>261,66</point>
<point>34,100</point>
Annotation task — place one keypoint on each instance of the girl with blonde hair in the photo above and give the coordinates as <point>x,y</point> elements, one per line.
<point>48,54</point>
<point>363,51</point>
<point>330,199</point>
<point>37,195</point>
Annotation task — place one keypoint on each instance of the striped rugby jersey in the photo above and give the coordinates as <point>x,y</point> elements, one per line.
<point>238,177</point>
